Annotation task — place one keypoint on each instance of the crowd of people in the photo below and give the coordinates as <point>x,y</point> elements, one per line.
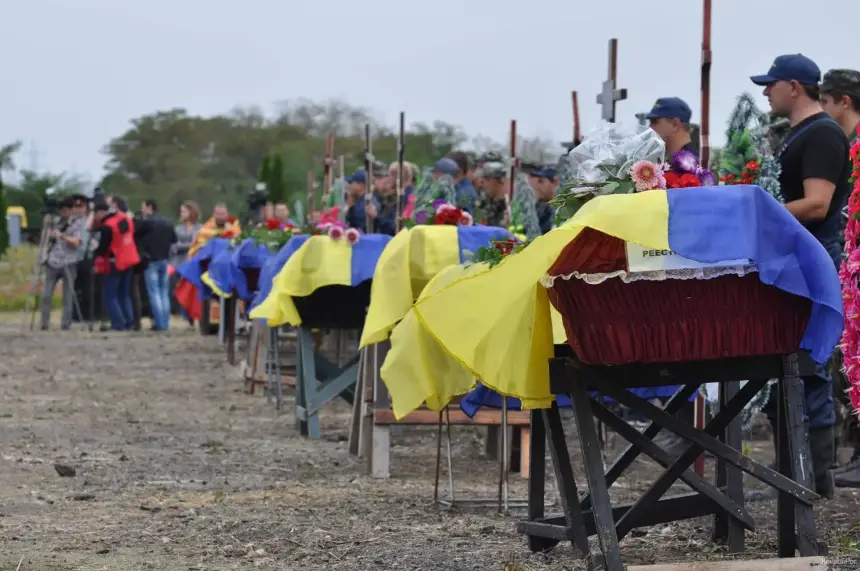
<point>482,188</point>
<point>131,254</point>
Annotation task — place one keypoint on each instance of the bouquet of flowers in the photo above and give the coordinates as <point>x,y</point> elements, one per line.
<point>337,230</point>
<point>429,197</point>
<point>615,161</point>
<point>442,212</point>
<point>747,156</point>
<point>272,234</point>
<point>498,250</point>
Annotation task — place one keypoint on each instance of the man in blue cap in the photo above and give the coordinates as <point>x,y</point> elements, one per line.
<point>358,213</point>
<point>814,181</point>
<point>544,182</point>
<point>670,118</point>
<point>444,167</point>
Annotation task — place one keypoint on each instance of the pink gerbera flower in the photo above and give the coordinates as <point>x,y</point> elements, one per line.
<point>645,175</point>
<point>335,232</point>
<point>352,235</point>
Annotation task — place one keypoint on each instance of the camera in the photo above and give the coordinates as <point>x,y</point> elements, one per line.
<point>51,203</point>
<point>256,200</point>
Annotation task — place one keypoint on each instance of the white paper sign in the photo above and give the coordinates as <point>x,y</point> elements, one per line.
<point>641,259</point>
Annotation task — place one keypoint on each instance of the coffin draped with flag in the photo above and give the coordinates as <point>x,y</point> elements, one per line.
<point>209,242</point>
<point>498,325</point>
<point>310,263</point>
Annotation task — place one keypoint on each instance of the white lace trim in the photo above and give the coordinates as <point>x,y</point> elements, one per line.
<point>655,276</point>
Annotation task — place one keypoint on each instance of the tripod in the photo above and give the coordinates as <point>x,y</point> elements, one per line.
<point>48,224</point>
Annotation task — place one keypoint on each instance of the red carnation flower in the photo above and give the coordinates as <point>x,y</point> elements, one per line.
<point>753,165</point>
<point>672,180</point>
<point>272,224</point>
<point>689,181</point>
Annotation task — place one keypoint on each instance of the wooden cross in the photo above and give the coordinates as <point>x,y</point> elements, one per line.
<point>577,137</point>
<point>609,95</point>
<point>705,129</point>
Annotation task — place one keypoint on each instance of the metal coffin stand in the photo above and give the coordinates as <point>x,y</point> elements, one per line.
<point>370,433</point>
<point>319,380</point>
<point>593,514</point>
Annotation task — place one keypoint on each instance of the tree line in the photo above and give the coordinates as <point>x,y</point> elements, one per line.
<point>173,155</point>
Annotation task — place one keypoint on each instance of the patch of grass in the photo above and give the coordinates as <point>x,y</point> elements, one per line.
<point>16,271</point>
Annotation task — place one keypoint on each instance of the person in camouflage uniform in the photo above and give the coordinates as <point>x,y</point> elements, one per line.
<point>840,98</point>
<point>491,208</point>
<point>477,175</point>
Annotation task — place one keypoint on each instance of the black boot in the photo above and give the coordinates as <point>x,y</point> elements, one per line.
<point>823,452</point>
<point>848,476</point>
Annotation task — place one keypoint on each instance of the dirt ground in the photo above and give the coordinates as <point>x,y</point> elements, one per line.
<point>177,468</point>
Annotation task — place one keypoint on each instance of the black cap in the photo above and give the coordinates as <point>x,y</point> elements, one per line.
<point>100,205</point>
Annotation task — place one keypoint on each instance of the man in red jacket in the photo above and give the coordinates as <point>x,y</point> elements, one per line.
<point>116,256</point>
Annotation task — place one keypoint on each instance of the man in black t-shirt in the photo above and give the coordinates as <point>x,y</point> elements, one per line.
<point>814,182</point>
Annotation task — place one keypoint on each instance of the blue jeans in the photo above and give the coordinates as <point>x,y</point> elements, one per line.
<point>117,290</point>
<point>158,290</point>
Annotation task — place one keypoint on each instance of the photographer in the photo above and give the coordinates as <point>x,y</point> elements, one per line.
<point>62,258</point>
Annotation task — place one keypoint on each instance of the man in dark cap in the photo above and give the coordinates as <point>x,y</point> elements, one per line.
<point>840,98</point>
<point>358,213</point>
<point>386,196</point>
<point>544,182</point>
<point>670,118</point>
<point>814,183</point>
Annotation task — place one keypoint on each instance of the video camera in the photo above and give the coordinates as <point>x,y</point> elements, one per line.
<point>256,200</point>
<point>51,203</point>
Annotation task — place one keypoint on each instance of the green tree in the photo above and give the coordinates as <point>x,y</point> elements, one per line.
<point>174,156</point>
<point>276,184</point>
<point>32,189</point>
<point>265,170</point>
<point>7,155</point>
<point>4,231</point>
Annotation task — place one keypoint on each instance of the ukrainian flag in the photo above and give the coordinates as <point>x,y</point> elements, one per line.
<point>316,262</point>
<point>408,264</point>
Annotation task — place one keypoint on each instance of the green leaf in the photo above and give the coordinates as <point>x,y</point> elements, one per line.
<point>627,187</point>
<point>609,188</point>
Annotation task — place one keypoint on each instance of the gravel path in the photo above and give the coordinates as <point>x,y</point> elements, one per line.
<point>176,468</point>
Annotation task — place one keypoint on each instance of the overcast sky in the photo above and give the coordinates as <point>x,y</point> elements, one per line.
<point>76,71</point>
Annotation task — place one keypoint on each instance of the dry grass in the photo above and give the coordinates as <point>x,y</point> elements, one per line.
<point>16,272</point>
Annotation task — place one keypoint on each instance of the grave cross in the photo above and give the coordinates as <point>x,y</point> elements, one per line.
<point>609,95</point>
